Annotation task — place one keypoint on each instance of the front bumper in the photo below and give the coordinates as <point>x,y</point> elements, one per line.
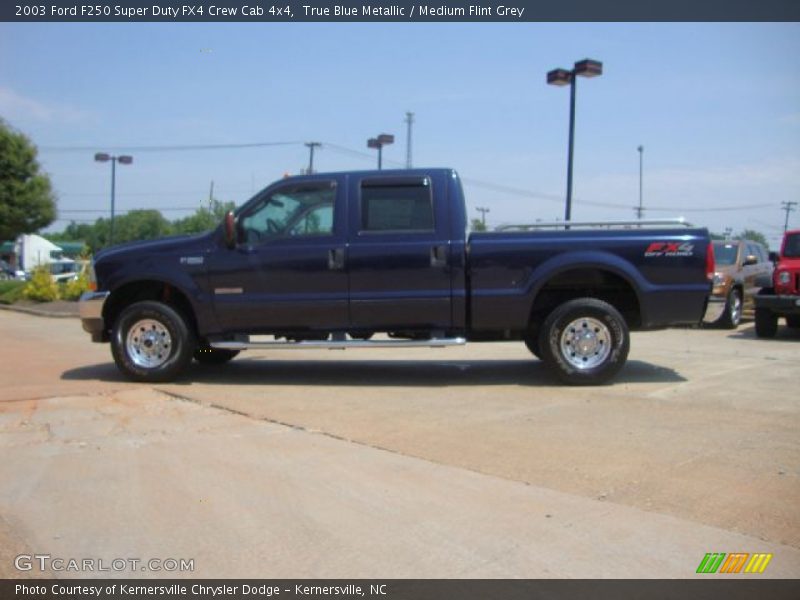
<point>90,308</point>
<point>781,305</point>
<point>714,309</point>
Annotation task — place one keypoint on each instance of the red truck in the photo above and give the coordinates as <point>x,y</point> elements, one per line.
<point>783,298</point>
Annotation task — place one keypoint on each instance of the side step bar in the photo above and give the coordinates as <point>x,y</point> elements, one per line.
<point>338,344</point>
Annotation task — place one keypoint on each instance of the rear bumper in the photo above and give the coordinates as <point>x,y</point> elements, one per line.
<point>91,311</point>
<point>782,305</point>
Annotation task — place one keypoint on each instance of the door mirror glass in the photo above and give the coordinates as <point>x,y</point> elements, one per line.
<point>229,229</point>
<point>751,259</point>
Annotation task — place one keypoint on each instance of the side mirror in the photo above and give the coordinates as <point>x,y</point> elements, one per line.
<point>773,256</point>
<point>750,259</point>
<point>229,229</point>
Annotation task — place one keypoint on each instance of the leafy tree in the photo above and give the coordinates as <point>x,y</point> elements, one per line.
<point>27,202</point>
<point>756,236</point>
<point>478,225</point>
<point>204,219</point>
<point>140,225</point>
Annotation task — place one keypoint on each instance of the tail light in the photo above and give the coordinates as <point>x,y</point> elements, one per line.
<point>710,263</point>
<point>92,277</point>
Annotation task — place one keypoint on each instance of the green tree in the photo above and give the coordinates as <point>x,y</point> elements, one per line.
<point>137,225</point>
<point>756,236</point>
<point>477,225</point>
<point>204,219</point>
<point>27,202</point>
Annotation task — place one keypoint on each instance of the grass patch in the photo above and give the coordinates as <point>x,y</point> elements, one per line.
<point>11,291</point>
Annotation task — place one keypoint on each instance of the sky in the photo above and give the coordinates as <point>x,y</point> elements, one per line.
<point>715,106</point>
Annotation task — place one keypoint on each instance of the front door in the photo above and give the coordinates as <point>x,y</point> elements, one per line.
<point>287,271</point>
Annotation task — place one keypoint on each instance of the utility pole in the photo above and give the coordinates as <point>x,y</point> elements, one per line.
<point>311,146</point>
<point>788,207</point>
<point>483,212</point>
<point>409,122</point>
<point>640,208</point>
<point>211,196</point>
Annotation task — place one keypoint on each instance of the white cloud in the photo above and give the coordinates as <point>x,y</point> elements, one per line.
<point>14,106</point>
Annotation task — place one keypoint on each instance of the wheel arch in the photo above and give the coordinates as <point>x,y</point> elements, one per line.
<point>616,284</point>
<point>150,288</point>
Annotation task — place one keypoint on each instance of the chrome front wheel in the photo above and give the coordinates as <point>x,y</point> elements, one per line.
<point>148,343</point>
<point>151,341</point>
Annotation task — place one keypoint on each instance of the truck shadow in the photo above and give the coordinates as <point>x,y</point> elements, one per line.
<point>785,334</point>
<point>245,371</point>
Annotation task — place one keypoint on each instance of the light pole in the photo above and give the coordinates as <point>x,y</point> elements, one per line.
<point>788,207</point>
<point>561,77</point>
<point>640,210</point>
<point>378,143</point>
<point>483,212</point>
<point>311,146</point>
<point>123,160</point>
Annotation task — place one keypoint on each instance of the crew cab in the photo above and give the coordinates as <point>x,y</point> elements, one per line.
<point>782,298</point>
<point>384,259</point>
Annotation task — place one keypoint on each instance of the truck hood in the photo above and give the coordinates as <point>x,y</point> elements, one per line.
<point>789,264</point>
<point>193,242</point>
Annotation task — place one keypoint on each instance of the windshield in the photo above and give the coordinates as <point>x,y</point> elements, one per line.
<point>791,248</point>
<point>725,253</point>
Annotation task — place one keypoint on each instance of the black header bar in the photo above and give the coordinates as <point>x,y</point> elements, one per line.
<point>513,11</point>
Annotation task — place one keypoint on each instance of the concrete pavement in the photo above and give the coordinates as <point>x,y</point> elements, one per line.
<point>432,463</point>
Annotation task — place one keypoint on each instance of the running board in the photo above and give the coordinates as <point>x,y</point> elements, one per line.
<point>338,345</point>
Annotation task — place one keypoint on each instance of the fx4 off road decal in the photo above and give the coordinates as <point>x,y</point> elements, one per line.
<point>669,249</point>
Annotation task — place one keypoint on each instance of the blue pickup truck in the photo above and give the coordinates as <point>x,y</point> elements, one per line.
<point>384,259</point>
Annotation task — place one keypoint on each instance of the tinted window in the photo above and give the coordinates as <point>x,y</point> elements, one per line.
<point>297,210</point>
<point>791,248</point>
<point>725,253</point>
<point>396,207</point>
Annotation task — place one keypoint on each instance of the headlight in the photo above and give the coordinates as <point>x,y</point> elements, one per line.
<point>719,279</point>
<point>784,277</point>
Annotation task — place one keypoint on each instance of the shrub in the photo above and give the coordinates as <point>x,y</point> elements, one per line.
<point>41,287</point>
<point>72,290</point>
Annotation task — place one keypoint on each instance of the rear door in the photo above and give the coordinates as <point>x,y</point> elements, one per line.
<point>399,254</point>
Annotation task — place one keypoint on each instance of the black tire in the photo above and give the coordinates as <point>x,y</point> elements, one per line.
<point>166,330</point>
<point>598,356</point>
<point>532,344</point>
<point>793,321</point>
<point>766,323</point>
<point>213,356</point>
<point>732,315</point>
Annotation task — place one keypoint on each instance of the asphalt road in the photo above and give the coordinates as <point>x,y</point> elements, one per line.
<point>462,462</point>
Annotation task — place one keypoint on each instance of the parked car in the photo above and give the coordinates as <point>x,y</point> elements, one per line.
<point>782,299</point>
<point>741,266</point>
<point>6,272</point>
<point>328,260</point>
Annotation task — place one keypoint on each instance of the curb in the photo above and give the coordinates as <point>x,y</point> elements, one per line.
<point>37,312</point>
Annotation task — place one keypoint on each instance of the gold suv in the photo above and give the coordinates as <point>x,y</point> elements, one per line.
<point>741,268</point>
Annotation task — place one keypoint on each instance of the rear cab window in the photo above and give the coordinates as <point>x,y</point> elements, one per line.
<point>396,205</point>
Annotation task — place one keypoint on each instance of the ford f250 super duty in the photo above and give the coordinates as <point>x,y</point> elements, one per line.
<point>383,259</point>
